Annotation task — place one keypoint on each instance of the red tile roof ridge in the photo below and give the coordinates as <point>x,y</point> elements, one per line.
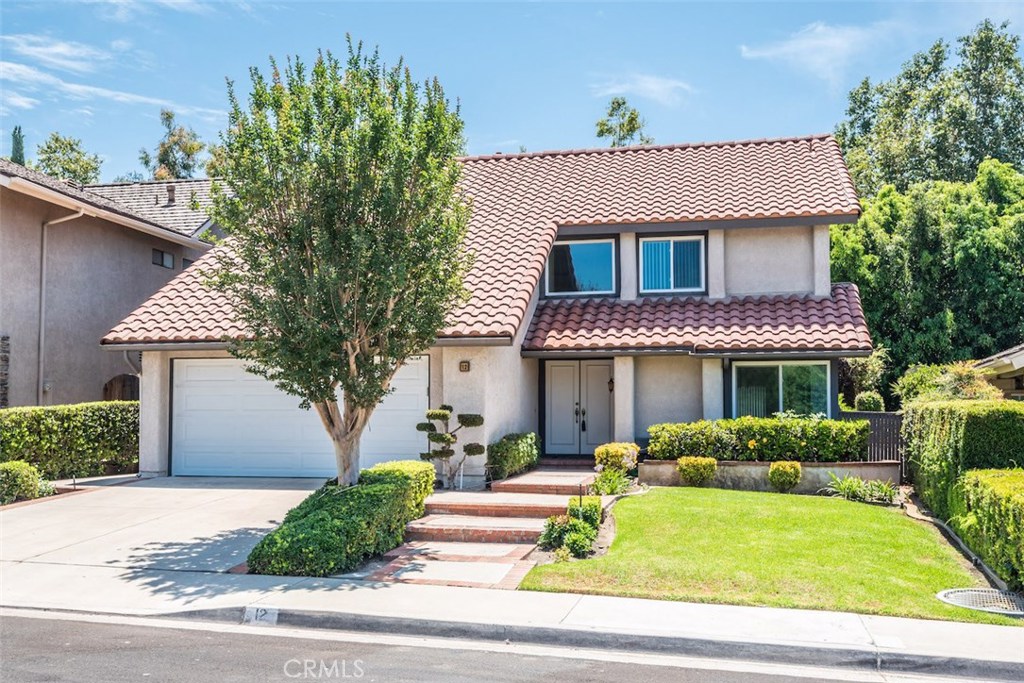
<point>583,151</point>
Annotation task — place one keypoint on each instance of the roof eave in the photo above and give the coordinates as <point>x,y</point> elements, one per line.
<point>31,189</point>
<point>688,350</point>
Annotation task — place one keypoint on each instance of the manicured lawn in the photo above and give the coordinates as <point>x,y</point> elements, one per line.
<point>743,548</point>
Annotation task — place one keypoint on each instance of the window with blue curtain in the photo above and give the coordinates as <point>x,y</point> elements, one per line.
<point>672,264</point>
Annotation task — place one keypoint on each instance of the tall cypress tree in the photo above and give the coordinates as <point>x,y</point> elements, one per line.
<point>18,146</point>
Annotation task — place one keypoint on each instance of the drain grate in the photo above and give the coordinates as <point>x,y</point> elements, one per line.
<point>985,600</point>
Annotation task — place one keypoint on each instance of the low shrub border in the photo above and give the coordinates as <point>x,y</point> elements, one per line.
<point>988,514</point>
<point>763,439</point>
<point>77,440</point>
<point>335,529</point>
<point>512,454</point>
<point>753,476</point>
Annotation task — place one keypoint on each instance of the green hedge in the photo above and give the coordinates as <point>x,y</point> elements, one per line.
<point>337,528</point>
<point>947,438</point>
<point>763,439</point>
<point>512,454</point>
<point>72,440</point>
<point>988,514</point>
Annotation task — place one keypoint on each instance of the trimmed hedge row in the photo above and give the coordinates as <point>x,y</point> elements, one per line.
<point>72,440</point>
<point>337,528</point>
<point>988,514</point>
<point>947,438</point>
<point>763,439</point>
<point>512,454</point>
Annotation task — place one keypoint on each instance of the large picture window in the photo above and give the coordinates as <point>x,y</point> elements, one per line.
<point>763,389</point>
<point>672,264</point>
<point>581,267</point>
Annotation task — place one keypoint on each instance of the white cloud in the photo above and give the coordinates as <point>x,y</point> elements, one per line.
<point>822,50</point>
<point>666,91</point>
<point>127,10</point>
<point>121,45</point>
<point>19,101</point>
<point>31,78</point>
<point>54,53</point>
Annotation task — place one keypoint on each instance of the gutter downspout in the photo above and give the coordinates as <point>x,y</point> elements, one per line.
<point>42,300</point>
<point>131,364</point>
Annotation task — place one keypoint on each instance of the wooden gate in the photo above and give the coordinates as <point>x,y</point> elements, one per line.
<point>886,441</point>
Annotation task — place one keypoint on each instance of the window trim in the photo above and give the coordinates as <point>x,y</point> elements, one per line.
<point>701,238</point>
<point>163,256</point>
<point>781,364</point>
<point>614,291</point>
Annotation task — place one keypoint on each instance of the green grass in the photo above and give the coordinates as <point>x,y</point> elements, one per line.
<point>744,548</point>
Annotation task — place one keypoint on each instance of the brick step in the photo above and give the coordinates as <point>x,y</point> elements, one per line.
<point>470,529</point>
<point>567,463</point>
<point>497,504</point>
<point>562,482</point>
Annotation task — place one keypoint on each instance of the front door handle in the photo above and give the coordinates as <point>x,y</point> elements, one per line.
<point>577,413</point>
<point>583,427</point>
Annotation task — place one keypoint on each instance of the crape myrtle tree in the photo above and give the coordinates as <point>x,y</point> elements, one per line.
<point>340,195</point>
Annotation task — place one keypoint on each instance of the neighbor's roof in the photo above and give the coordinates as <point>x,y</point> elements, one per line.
<point>520,200</point>
<point>1013,357</point>
<point>186,214</point>
<point>766,324</point>
<point>126,201</point>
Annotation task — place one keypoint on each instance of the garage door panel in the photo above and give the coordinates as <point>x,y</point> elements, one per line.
<point>228,422</point>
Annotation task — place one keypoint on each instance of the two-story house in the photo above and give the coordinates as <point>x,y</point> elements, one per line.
<point>612,289</point>
<point>75,260</point>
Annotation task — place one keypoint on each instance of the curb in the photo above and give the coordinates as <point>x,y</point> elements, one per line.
<point>854,658</point>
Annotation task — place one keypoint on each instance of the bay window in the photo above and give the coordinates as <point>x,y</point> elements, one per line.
<point>672,264</point>
<point>581,267</point>
<point>762,389</point>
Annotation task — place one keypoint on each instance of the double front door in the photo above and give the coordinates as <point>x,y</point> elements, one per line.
<point>578,406</point>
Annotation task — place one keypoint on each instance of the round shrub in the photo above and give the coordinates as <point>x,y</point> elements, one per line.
<point>784,475</point>
<point>616,456</point>
<point>18,481</point>
<point>696,470</point>
<point>558,527</point>
<point>869,402</point>
<point>578,544</point>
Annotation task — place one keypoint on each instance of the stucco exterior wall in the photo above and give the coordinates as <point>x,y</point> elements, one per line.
<point>769,261</point>
<point>668,389</point>
<point>97,273</point>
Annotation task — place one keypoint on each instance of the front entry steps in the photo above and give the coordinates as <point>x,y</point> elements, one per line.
<point>468,565</point>
<point>564,482</point>
<point>496,504</point>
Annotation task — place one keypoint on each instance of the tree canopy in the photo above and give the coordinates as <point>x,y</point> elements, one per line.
<point>940,267</point>
<point>622,125</point>
<point>63,157</point>
<point>177,152</point>
<point>340,195</point>
<point>938,119</point>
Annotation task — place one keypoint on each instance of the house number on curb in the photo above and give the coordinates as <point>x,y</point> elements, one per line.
<point>260,616</point>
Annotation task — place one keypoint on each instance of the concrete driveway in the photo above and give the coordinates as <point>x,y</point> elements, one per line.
<point>174,523</point>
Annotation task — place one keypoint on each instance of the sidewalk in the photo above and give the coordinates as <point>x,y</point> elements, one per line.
<point>749,633</point>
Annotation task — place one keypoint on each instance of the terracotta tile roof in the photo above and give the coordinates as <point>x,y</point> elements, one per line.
<point>150,199</point>
<point>520,200</point>
<point>755,323</point>
<point>183,310</point>
<point>96,195</point>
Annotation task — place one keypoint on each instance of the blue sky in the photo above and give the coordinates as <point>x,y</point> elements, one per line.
<point>532,74</point>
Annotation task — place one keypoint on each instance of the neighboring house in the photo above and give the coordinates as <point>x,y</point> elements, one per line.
<point>1008,371</point>
<point>73,261</point>
<point>611,290</point>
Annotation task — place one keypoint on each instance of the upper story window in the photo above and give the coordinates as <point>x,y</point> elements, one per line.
<point>581,267</point>
<point>672,264</point>
<point>163,258</point>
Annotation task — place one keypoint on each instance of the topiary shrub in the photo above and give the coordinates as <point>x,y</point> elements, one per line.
<point>946,438</point>
<point>616,456</point>
<point>784,475</point>
<point>588,509</point>
<point>18,481</point>
<point>988,514</point>
<point>441,442</point>
<point>696,470</point>
<point>704,438</point>
<point>72,440</point>
<point>869,402</point>
<point>512,454</point>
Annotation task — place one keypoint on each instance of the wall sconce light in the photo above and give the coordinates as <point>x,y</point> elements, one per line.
<point>463,366</point>
<point>611,385</point>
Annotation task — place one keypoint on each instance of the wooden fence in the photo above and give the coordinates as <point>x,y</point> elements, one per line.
<point>886,442</point>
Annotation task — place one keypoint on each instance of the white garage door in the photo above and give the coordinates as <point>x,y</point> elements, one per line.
<point>228,422</point>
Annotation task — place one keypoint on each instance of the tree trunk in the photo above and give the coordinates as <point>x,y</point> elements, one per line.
<point>345,431</point>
